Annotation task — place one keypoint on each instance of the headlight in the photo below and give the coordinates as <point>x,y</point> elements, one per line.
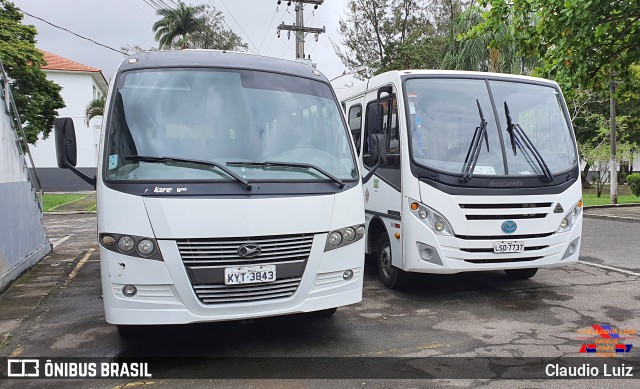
<point>431,218</point>
<point>335,238</point>
<point>145,247</point>
<point>349,234</point>
<point>344,236</point>
<point>571,217</point>
<point>125,244</point>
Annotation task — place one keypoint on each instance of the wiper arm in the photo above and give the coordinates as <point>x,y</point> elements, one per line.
<point>474,148</point>
<point>520,138</point>
<point>197,162</point>
<point>291,164</point>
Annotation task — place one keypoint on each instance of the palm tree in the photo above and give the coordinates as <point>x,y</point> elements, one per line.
<point>94,108</point>
<point>492,51</point>
<point>180,25</point>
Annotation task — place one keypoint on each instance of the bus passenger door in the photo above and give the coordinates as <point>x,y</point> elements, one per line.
<point>383,192</point>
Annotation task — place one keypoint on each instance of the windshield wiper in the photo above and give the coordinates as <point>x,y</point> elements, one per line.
<point>474,148</point>
<point>520,138</point>
<point>290,164</point>
<point>186,161</point>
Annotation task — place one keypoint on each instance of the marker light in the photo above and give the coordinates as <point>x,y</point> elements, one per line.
<point>108,240</point>
<point>414,206</point>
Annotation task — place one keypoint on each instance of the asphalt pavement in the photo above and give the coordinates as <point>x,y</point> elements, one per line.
<point>55,310</point>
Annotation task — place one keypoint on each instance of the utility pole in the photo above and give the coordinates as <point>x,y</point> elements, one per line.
<point>613,173</point>
<point>298,27</point>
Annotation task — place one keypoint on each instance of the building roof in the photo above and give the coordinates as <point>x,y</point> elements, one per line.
<point>56,62</point>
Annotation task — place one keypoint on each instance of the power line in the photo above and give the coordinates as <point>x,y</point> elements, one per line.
<point>73,33</point>
<point>134,10</point>
<point>274,35</point>
<point>234,19</point>
<point>268,25</point>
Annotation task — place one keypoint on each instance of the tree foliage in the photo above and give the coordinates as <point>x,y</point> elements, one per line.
<point>378,34</point>
<point>491,50</point>
<point>582,42</point>
<point>37,99</point>
<point>194,26</point>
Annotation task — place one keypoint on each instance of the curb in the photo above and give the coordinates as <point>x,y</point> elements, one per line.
<point>69,212</point>
<point>611,206</point>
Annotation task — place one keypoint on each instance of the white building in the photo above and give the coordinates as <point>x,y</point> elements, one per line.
<point>80,84</point>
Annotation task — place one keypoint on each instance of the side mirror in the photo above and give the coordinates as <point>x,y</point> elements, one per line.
<point>378,147</point>
<point>378,150</point>
<point>66,150</point>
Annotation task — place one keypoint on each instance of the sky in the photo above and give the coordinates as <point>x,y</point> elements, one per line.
<point>117,23</point>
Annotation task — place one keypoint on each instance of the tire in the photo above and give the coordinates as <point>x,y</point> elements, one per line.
<point>521,274</point>
<point>391,276</point>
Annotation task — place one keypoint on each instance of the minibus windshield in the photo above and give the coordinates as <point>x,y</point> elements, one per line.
<point>232,118</point>
<point>443,114</point>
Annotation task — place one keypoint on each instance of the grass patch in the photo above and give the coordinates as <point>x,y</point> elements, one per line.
<point>625,196</point>
<point>50,201</point>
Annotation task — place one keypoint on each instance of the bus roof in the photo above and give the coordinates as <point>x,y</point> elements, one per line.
<point>387,77</point>
<point>219,59</point>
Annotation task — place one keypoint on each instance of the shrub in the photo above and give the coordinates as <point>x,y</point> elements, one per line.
<point>634,183</point>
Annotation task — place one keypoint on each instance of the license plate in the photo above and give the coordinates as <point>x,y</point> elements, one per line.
<point>514,246</point>
<point>249,274</point>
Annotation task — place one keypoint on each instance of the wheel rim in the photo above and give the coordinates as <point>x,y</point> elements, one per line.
<point>385,262</point>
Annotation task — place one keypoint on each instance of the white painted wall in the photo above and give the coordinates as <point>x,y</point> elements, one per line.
<point>77,92</point>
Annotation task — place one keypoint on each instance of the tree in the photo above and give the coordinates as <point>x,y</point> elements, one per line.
<point>583,43</point>
<point>95,108</point>
<point>215,36</point>
<point>490,51</point>
<point>376,29</point>
<point>178,27</point>
<point>37,99</point>
<point>199,27</point>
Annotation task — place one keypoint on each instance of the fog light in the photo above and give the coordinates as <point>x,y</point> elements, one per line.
<point>347,274</point>
<point>349,233</point>
<point>360,230</point>
<point>423,214</point>
<point>108,240</point>
<point>335,238</point>
<point>426,253</point>
<point>439,226</point>
<point>129,290</point>
<point>572,247</point>
<point>126,243</point>
<point>564,223</point>
<point>145,247</point>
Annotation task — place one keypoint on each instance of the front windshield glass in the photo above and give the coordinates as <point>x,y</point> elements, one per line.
<point>538,111</point>
<point>444,116</point>
<point>225,116</point>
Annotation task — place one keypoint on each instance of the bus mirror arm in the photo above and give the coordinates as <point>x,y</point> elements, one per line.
<point>66,150</point>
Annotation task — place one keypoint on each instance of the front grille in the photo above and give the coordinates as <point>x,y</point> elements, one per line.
<point>502,260</point>
<point>205,261</point>
<point>499,211</point>
<point>219,294</point>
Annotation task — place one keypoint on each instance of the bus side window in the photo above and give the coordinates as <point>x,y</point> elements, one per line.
<point>355,125</point>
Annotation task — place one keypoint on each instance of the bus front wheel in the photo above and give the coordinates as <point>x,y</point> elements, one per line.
<point>521,274</point>
<point>391,276</point>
